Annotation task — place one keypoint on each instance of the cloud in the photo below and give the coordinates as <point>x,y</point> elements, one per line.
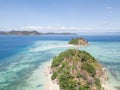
<point>49,28</point>
<point>109,7</point>
<point>60,29</point>
<point>106,24</point>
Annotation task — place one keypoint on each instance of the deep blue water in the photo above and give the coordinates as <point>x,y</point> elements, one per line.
<point>10,45</point>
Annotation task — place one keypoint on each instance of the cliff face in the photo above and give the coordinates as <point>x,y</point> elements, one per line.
<point>76,70</point>
<point>78,41</point>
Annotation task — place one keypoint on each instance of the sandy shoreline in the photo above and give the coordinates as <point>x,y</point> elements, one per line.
<point>49,85</point>
<point>107,86</point>
<point>104,80</point>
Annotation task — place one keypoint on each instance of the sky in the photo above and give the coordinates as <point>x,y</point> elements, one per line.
<point>82,16</point>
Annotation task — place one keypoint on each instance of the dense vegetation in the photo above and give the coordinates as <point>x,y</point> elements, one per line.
<point>76,70</point>
<point>78,41</point>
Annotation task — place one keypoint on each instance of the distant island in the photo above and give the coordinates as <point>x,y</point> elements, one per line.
<point>78,41</point>
<point>14,32</point>
<point>77,70</point>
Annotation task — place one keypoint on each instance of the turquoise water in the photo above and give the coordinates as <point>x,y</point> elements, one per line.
<point>23,69</point>
<point>108,54</point>
<point>17,73</point>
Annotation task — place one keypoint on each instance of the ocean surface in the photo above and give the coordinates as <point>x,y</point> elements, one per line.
<point>22,58</point>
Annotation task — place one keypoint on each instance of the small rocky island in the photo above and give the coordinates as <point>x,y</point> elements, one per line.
<point>78,41</point>
<point>77,70</point>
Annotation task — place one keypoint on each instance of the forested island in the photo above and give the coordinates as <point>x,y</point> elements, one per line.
<point>77,70</point>
<point>78,41</point>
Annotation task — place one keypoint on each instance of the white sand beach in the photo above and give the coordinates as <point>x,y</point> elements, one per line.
<point>104,81</point>
<point>50,85</point>
<point>107,86</point>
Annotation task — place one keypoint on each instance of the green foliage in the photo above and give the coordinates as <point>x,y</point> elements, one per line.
<point>83,59</point>
<point>97,82</point>
<point>83,88</point>
<point>86,57</point>
<point>64,64</point>
<point>67,53</point>
<point>89,68</point>
<point>69,67</point>
<point>56,62</point>
<point>79,75</point>
<point>54,76</point>
<point>66,82</point>
<point>74,41</point>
